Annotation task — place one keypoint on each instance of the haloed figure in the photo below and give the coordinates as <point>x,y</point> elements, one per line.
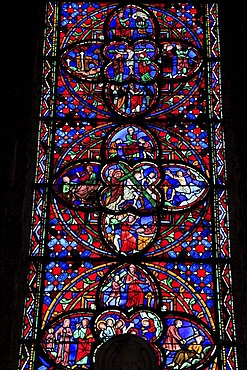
<point>85,339</point>
<point>135,293</point>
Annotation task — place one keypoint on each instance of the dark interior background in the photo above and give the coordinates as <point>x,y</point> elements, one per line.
<point>20,78</point>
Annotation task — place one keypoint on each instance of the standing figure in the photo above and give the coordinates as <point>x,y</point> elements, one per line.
<point>110,330</point>
<point>132,147</point>
<point>119,96</point>
<point>117,189</point>
<point>135,295</point>
<point>62,336</point>
<point>135,98</point>
<point>113,229</point>
<point>68,188</point>
<point>122,25</point>
<point>173,339</point>
<point>182,60</point>
<point>129,240</point>
<point>130,60</point>
<point>115,291</point>
<point>50,340</point>
<point>118,66</point>
<point>85,339</point>
<point>170,64</point>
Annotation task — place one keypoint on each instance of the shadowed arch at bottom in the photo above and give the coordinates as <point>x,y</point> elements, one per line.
<point>126,352</point>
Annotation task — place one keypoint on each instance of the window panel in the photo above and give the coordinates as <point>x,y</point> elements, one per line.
<point>130,229</point>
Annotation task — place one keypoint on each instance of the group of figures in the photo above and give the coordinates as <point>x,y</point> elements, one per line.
<point>129,299</point>
<point>128,233</point>
<point>131,143</point>
<point>129,288</point>
<point>131,23</point>
<point>131,98</point>
<point>128,192</point>
<point>75,340</point>
<point>131,186</point>
<point>80,187</point>
<point>63,343</point>
<point>144,324</point>
<point>139,186</point>
<point>179,60</point>
<point>184,351</point>
<point>131,62</point>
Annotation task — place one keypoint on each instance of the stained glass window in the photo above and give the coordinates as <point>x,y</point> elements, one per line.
<point>130,231</point>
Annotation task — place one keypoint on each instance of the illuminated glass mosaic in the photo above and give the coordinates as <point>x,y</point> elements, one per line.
<point>130,229</point>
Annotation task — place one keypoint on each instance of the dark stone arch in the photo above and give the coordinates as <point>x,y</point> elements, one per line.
<point>126,352</point>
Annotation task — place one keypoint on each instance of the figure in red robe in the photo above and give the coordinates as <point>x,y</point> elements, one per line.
<point>118,66</point>
<point>87,184</point>
<point>148,329</point>
<point>122,25</point>
<point>129,241</point>
<point>117,189</point>
<point>173,339</point>
<point>135,293</point>
<point>136,98</point>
